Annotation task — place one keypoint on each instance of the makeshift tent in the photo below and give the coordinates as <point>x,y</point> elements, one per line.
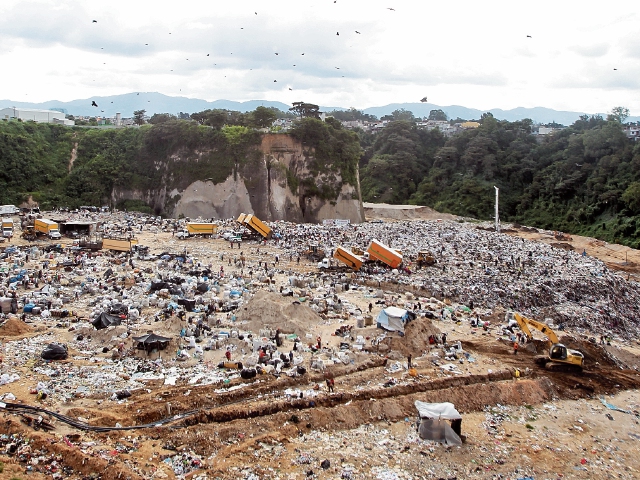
<point>55,351</point>
<point>393,319</point>
<point>188,305</point>
<point>439,422</point>
<point>151,341</point>
<point>105,320</point>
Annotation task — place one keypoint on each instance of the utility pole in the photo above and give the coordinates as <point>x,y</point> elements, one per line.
<point>497,214</point>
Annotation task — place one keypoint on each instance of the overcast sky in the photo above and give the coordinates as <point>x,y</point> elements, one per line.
<point>470,53</point>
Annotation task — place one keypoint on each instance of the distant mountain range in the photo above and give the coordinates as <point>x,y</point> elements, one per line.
<point>154,102</point>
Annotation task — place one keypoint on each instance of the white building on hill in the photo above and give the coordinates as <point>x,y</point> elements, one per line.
<point>40,116</point>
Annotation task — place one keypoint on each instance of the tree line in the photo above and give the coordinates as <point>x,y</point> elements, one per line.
<point>583,179</point>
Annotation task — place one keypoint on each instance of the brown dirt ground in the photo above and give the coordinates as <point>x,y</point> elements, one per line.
<point>238,428</point>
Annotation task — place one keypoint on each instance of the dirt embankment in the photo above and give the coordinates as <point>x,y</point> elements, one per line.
<point>385,211</point>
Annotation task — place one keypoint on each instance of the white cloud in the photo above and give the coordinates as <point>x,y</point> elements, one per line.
<point>471,53</point>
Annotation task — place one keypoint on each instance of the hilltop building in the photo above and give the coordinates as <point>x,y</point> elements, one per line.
<point>35,115</point>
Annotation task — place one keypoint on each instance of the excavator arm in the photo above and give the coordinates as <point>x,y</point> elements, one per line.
<point>525,323</point>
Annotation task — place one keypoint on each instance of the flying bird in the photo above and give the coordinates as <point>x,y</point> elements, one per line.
<point>578,165</point>
<point>337,68</point>
<point>529,36</point>
<point>303,54</point>
<point>392,9</point>
<point>102,111</point>
<point>146,44</point>
<point>423,99</point>
<point>275,81</point>
<point>137,93</point>
<point>337,33</point>
<point>276,54</point>
<point>95,21</point>
<point>93,103</point>
<point>357,32</point>
<point>615,69</point>
<point>291,89</point>
<point>255,13</point>
<point>207,54</point>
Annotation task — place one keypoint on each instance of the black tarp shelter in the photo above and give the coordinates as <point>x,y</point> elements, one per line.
<point>151,341</point>
<point>105,320</point>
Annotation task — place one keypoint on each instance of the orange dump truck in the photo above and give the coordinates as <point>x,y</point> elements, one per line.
<point>348,258</point>
<point>379,251</point>
<point>254,224</point>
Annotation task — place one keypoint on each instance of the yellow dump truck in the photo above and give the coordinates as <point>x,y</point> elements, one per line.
<point>348,258</point>
<point>202,228</point>
<point>254,224</point>
<point>119,244</point>
<point>47,227</point>
<point>379,251</point>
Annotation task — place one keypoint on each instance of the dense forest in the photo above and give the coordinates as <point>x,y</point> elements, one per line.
<point>583,179</point>
<point>61,166</point>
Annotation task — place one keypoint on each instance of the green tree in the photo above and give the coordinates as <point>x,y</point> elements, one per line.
<point>618,114</point>
<point>438,115</point>
<point>215,118</point>
<point>352,114</point>
<point>262,117</point>
<point>157,118</point>
<point>138,117</point>
<point>400,115</point>
<point>631,197</point>
<point>305,110</point>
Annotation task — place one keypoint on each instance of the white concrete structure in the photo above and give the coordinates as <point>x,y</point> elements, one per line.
<point>40,116</point>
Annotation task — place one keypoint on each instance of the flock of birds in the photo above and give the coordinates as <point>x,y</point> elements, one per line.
<point>94,104</point>
<point>423,100</point>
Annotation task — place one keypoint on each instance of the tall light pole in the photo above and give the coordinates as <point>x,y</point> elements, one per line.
<point>497,214</point>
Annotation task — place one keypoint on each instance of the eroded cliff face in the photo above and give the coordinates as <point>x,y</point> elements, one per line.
<point>275,185</point>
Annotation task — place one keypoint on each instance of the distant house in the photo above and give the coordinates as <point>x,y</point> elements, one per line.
<point>632,132</point>
<point>546,130</point>
<point>35,115</point>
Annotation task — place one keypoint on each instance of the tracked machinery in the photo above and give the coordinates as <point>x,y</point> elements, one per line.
<point>425,259</point>
<point>560,358</point>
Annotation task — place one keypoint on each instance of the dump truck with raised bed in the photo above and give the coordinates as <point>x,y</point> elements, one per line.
<point>379,251</point>
<point>349,258</point>
<point>255,225</point>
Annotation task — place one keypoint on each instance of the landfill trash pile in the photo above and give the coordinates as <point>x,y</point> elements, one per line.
<point>247,351</point>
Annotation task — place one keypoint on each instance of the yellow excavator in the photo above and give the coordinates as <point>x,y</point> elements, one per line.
<point>560,358</point>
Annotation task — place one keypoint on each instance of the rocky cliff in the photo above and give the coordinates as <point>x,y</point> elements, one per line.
<point>281,178</point>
